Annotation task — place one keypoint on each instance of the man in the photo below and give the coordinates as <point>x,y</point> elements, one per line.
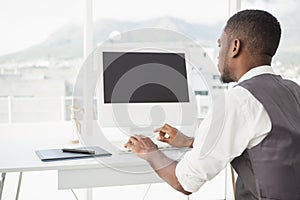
<point>261,129</point>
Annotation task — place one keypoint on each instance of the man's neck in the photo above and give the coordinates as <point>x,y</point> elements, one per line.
<point>251,62</point>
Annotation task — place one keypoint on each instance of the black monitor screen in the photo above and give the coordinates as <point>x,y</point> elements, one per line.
<point>144,77</point>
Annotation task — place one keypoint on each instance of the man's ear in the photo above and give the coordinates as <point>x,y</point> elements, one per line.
<point>236,48</point>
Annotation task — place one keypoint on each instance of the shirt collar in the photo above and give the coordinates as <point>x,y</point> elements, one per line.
<point>265,69</point>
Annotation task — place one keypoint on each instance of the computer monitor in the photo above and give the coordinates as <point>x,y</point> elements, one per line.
<point>145,88</point>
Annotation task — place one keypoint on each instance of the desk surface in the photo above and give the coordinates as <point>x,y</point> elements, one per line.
<point>18,143</point>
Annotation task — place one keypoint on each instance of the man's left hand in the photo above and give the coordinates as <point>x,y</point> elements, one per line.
<point>142,146</point>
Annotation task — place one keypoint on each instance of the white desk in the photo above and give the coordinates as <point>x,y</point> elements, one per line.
<point>19,141</point>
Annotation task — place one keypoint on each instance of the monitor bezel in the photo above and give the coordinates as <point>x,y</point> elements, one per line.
<point>106,109</point>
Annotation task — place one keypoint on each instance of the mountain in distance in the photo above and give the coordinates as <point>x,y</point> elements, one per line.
<point>67,42</point>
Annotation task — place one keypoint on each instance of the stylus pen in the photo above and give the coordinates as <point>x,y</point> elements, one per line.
<point>84,151</point>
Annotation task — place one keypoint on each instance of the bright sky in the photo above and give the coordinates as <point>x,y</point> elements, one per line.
<point>28,22</point>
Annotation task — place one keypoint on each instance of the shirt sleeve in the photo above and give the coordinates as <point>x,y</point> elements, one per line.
<point>223,135</point>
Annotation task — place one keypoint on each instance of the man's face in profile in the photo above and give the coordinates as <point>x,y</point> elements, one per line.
<point>223,64</point>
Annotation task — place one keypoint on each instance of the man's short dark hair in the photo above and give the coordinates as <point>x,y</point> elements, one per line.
<point>258,30</point>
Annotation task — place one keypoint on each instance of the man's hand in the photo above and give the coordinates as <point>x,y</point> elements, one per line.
<point>173,136</point>
<point>164,166</point>
<point>142,146</point>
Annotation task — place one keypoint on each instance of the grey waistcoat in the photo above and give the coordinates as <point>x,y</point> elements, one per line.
<point>271,169</point>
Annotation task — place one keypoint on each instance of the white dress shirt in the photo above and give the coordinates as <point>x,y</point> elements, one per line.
<point>245,123</point>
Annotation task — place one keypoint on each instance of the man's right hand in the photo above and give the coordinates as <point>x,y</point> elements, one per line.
<point>173,136</point>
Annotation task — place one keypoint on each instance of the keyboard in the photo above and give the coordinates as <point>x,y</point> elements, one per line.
<point>119,144</point>
<point>118,137</point>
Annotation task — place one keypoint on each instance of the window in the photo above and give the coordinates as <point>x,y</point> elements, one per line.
<point>41,47</point>
<point>202,21</point>
<point>40,53</point>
